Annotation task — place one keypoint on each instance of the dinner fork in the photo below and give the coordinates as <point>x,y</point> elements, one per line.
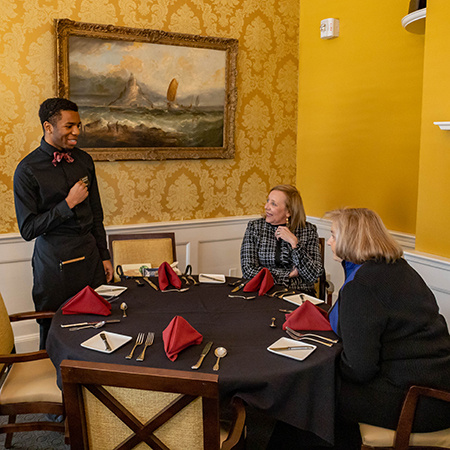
<point>273,294</point>
<point>296,338</point>
<point>148,342</point>
<point>296,333</point>
<point>285,293</point>
<point>190,277</point>
<point>139,341</point>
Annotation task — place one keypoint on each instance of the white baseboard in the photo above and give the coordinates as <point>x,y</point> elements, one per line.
<point>211,245</point>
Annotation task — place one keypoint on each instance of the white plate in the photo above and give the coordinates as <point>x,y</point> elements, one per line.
<point>115,341</point>
<point>211,278</point>
<point>294,354</point>
<point>107,291</point>
<point>298,299</point>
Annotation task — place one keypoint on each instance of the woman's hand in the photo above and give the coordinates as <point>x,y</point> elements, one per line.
<point>294,273</point>
<point>286,234</point>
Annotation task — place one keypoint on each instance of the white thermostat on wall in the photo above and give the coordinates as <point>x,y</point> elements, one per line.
<point>329,28</point>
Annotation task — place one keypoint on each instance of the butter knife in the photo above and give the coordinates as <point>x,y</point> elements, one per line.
<point>204,352</point>
<point>239,286</point>
<point>107,346</point>
<point>80,324</point>
<point>153,285</point>
<point>300,347</point>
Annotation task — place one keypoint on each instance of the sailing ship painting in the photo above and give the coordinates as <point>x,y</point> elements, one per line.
<point>137,94</point>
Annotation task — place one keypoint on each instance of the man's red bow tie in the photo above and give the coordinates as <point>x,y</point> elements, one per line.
<point>59,156</point>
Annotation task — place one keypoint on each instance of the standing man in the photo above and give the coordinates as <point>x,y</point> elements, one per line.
<point>58,203</point>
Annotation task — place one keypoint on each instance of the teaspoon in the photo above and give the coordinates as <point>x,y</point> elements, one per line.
<point>220,352</point>
<point>97,325</point>
<point>124,307</point>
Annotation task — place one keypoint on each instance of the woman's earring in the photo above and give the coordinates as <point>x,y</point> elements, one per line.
<point>288,219</point>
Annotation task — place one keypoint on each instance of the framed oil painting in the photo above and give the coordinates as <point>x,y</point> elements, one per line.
<point>147,94</point>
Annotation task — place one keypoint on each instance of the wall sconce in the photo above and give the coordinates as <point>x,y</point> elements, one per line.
<point>329,28</point>
<point>414,21</point>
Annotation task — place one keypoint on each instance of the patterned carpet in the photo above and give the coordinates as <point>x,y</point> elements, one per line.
<point>34,440</point>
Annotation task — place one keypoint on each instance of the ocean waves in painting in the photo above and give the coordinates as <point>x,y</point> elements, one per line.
<point>177,126</point>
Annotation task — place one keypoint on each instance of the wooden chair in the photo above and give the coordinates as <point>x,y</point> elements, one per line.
<point>152,248</point>
<point>401,439</point>
<point>324,288</point>
<point>119,406</point>
<point>27,381</point>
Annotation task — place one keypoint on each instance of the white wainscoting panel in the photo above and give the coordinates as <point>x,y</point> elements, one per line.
<point>210,246</point>
<point>436,272</point>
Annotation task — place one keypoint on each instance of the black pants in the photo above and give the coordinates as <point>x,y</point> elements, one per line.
<point>55,280</point>
<point>44,327</point>
<point>381,407</point>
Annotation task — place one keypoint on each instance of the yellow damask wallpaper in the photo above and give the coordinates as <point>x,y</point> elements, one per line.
<point>149,191</point>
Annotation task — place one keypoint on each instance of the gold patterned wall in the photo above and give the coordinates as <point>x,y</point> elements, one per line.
<point>149,191</point>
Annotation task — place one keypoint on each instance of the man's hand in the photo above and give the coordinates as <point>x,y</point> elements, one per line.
<point>77,194</point>
<point>109,271</point>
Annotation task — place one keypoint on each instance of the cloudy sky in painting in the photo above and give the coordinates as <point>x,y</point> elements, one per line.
<point>196,69</point>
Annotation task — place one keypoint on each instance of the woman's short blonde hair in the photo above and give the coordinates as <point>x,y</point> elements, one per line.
<point>361,235</point>
<point>294,205</point>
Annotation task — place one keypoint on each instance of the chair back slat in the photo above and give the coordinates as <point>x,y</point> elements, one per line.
<point>145,248</point>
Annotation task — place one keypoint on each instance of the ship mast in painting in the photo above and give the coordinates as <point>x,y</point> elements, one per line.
<point>172,97</point>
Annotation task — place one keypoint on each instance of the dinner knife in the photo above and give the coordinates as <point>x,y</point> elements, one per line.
<point>107,346</point>
<point>204,352</point>
<point>211,278</point>
<point>87,323</point>
<point>153,285</point>
<point>239,286</point>
<point>300,347</point>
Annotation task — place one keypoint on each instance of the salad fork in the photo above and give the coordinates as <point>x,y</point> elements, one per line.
<point>139,341</point>
<point>148,342</point>
<point>296,333</point>
<point>296,338</point>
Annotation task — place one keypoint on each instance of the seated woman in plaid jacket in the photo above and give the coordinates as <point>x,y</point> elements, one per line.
<point>283,242</point>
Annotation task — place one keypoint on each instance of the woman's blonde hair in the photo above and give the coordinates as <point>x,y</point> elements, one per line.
<point>361,235</point>
<point>294,205</point>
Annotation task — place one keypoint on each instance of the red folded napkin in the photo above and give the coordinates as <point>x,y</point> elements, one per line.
<point>87,301</point>
<point>178,335</point>
<point>166,276</point>
<point>307,317</point>
<point>263,280</point>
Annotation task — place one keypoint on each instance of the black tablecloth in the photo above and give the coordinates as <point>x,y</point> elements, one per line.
<point>300,393</point>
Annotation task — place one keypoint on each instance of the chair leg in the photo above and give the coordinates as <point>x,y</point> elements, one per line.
<point>66,432</point>
<point>9,436</point>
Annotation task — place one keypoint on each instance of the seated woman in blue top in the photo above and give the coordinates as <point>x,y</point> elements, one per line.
<point>392,333</point>
<point>350,270</point>
<point>283,242</point>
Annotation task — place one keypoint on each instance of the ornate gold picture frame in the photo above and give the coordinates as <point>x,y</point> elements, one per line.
<point>147,94</point>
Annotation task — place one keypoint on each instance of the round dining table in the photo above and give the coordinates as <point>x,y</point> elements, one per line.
<point>299,393</point>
